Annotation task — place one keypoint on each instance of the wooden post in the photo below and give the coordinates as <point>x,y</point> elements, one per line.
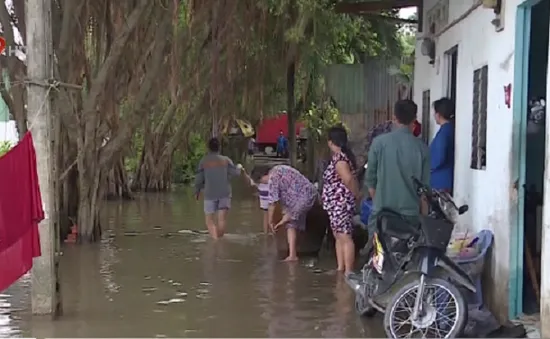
<point>311,161</point>
<point>40,69</point>
<point>291,114</point>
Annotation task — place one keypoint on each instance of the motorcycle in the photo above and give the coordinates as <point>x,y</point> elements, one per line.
<point>409,278</point>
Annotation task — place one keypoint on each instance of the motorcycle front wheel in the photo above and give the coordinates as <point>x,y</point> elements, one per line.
<point>362,306</point>
<point>443,311</point>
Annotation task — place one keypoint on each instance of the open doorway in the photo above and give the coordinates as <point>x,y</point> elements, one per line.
<point>451,57</point>
<point>535,151</point>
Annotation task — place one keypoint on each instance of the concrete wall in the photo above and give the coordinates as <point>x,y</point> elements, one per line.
<point>488,192</point>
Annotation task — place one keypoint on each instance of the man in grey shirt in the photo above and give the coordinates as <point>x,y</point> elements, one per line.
<point>213,178</point>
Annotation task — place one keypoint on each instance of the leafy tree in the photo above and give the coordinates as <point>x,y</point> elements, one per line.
<point>143,108</point>
<point>5,146</point>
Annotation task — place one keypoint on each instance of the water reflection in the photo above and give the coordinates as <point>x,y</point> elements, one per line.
<point>156,273</point>
<point>12,303</point>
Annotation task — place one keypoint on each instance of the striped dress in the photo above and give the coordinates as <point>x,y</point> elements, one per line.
<point>263,192</point>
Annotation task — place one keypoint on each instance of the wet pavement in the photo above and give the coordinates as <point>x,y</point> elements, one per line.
<point>156,274</point>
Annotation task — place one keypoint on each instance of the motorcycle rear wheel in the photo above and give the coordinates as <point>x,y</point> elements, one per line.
<point>430,316</point>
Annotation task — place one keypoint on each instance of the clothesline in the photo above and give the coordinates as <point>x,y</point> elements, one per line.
<point>47,83</point>
<point>41,108</point>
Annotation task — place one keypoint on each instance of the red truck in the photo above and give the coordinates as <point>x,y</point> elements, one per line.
<point>269,129</point>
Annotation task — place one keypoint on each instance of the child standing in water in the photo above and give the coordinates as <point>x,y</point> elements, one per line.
<point>263,193</point>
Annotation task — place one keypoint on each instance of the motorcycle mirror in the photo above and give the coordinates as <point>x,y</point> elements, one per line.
<point>463,209</point>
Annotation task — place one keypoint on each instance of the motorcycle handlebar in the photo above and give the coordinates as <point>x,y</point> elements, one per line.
<point>419,185</point>
<point>417,182</point>
<point>422,188</point>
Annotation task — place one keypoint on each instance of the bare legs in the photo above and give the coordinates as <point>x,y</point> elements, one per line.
<point>211,225</point>
<point>291,235</point>
<point>339,252</point>
<point>267,227</point>
<point>345,252</point>
<point>216,231</point>
<point>222,220</point>
<point>349,253</point>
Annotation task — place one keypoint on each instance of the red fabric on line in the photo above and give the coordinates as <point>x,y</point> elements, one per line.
<point>20,211</point>
<point>417,128</point>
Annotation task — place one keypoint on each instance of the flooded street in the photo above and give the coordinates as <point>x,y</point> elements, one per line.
<point>157,274</point>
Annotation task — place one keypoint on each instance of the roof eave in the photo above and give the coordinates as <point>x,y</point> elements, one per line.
<point>374,6</point>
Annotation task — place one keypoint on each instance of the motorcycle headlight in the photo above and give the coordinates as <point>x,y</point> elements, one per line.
<point>447,207</point>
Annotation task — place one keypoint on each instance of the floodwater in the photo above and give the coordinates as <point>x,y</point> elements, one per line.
<point>156,274</point>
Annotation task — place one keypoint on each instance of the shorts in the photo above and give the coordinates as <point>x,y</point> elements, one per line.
<point>213,206</point>
<point>264,205</point>
<point>250,152</point>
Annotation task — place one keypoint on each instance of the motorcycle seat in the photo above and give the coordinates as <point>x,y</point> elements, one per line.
<point>394,225</point>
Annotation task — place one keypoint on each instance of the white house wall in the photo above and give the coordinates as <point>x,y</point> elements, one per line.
<point>8,131</point>
<point>488,192</point>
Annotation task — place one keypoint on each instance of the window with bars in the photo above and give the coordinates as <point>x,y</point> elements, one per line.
<point>478,158</point>
<point>426,116</point>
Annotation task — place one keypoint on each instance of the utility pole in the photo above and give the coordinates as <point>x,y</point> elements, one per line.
<point>40,70</point>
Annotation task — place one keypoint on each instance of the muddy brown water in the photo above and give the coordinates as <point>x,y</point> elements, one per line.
<point>156,274</point>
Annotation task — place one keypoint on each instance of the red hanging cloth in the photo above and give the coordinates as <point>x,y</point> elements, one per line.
<point>20,211</point>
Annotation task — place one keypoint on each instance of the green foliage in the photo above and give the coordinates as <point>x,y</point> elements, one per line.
<point>404,66</point>
<point>5,146</point>
<point>318,119</point>
<point>184,164</point>
<point>339,38</point>
<point>250,76</point>
<point>407,43</point>
<point>131,162</point>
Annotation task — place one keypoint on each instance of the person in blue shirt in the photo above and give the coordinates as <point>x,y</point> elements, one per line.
<point>282,145</point>
<point>442,148</point>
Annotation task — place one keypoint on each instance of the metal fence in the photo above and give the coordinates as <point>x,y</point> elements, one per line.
<point>365,94</point>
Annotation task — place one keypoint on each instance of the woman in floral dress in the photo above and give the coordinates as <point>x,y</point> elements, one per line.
<point>340,191</point>
<point>295,193</point>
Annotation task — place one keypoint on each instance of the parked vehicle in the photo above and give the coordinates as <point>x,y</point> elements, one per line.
<point>269,130</point>
<point>408,276</point>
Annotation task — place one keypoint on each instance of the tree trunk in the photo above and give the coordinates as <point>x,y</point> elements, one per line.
<point>118,186</point>
<point>89,228</point>
<point>153,173</point>
<point>291,114</point>
<point>310,155</point>
<point>90,137</point>
<point>68,183</point>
